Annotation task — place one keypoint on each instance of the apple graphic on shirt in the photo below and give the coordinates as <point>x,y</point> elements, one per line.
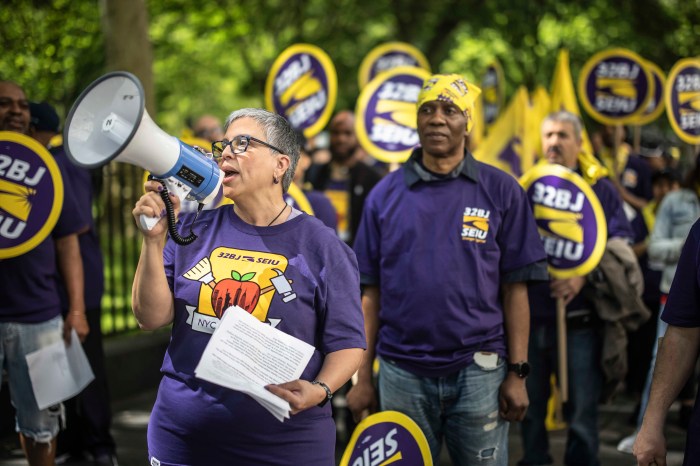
<point>235,291</point>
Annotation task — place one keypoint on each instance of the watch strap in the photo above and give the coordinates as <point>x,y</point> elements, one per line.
<point>329,393</point>
<point>522,369</point>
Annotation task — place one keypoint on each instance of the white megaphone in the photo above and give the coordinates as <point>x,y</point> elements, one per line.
<point>109,122</point>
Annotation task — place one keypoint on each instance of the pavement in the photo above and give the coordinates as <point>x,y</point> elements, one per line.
<point>131,418</point>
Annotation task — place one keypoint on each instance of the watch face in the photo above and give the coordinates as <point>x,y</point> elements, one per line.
<point>524,370</point>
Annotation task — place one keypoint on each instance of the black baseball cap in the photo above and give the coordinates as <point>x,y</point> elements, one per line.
<point>44,117</point>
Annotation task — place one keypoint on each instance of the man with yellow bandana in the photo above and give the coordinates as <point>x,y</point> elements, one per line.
<point>446,247</point>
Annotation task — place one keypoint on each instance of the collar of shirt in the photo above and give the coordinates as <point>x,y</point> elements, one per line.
<point>415,171</point>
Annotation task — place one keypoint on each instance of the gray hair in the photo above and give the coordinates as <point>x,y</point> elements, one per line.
<point>278,132</point>
<point>566,117</point>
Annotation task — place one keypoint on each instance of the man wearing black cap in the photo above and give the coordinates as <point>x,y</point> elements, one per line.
<point>43,122</point>
<point>89,416</point>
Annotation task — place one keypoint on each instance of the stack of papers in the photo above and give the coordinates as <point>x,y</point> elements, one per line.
<point>245,354</point>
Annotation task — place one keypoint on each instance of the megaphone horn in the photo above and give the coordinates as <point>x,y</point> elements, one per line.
<point>109,122</point>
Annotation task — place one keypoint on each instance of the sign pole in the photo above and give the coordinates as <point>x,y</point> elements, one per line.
<point>563,356</point>
<point>616,149</point>
<point>637,144</point>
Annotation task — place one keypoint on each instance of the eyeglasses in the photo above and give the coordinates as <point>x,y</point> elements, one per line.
<point>239,144</point>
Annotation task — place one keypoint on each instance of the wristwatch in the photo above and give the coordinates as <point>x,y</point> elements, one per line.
<point>329,393</point>
<point>522,369</point>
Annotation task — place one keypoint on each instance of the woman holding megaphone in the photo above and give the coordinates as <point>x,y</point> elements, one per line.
<point>271,260</point>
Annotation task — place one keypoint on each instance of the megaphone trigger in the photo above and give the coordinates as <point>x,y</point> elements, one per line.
<point>177,187</point>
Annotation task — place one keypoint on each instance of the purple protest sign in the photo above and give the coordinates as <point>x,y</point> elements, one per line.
<point>302,86</point>
<point>387,56</point>
<point>569,217</point>
<point>387,437</point>
<point>655,107</point>
<point>492,91</point>
<point>682,99</point>
<point>615,86</point>
<point>385,117</point>
<point>31,194</point>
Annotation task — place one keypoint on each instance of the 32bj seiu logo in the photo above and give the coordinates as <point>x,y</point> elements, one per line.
<point>475,224</point>
<point>384,450</point>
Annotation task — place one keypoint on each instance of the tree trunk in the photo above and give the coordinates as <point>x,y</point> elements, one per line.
<point>125,25</point>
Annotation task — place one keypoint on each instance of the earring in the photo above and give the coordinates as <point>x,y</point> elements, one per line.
<point>275,180</point>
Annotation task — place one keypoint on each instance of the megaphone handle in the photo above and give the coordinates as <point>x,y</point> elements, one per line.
<point>147,223</point>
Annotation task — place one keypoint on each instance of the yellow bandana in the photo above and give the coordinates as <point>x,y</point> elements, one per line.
<point>451,88</point>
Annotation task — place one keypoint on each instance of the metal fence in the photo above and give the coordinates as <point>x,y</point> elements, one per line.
<point>120,240</point>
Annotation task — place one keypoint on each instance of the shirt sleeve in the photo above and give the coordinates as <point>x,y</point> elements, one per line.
<point>343,324</point>
<point>367,243</point>
<point>610,200</point>
<point>522,252</point>
<point>72,219</point>
<point>683,306</point>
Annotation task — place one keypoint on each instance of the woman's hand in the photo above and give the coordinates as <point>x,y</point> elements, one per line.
<point>152,205</point>
<point>301,394</point>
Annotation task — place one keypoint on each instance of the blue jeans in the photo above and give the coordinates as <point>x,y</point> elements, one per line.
<point>16,341</point>
<point>461,408</point>
<point>580,412</point>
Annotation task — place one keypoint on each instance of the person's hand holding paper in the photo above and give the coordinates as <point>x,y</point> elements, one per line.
<point>246,355</point>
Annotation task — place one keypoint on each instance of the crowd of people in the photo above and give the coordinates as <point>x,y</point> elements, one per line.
<point>435,273</point>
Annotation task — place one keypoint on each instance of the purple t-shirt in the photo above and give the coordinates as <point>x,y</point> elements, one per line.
<point>195,422</point>
<point>636,177</point>
<point>542,305</point>
<point>683,310</point>
<point>93,269</point>
<point>30,282</point>
<point>323,209</point>
<point>683,305</point>
<point>439,251</point>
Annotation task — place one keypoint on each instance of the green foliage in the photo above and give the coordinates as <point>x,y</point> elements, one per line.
<point>52,48</point>
<point>216,59</point>
<point>213,56</point>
